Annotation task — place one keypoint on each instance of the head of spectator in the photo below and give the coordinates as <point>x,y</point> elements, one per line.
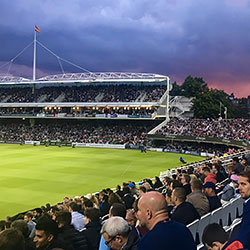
<point>142,190</point>
<point>147,186</point>
<point>115,232</point>
<point>12,239</point>
<point>215,168</point>
<point>196,185</point>
<point>246,160</point>
<point>210,177</point>
<point>214,237</point>
<point>63,219</point>
<point>231,169</point>
<point>117,209</point>
<point>130,217</point>
<point>235,160</point>
<point>73,207</point>
<point>131,185</point>
<point>22,226</point>
<point>167,181</point>
<point>178,196</point>
<point>185,179</point>
<point>114,198</point>
<point>244,184</point>
<point>209,189</point>
<point>28,217</point>
<point>91,215</point>
<point>206,171</point>
<point>37,213</point>
<point>152,208</point>
<point>46,232</point>
<point>174,184</point>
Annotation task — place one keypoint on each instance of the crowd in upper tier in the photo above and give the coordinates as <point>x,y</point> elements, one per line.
<point>234,129</point>
<point>135,217</point>
<point>88,93</point>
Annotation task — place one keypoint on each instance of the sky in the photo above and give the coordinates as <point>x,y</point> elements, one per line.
<point>201,38</point>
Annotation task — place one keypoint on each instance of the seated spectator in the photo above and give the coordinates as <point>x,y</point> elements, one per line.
<point>209,176</point>
<point>197,198</point>
<point>170,203</point>
<point>128,198</point>
<point>119,191</point>
<point>11,239</point>
<point>131,217</point>
<point>157,183</point>
<point>22,226</point>
<point>215,237</point>
<point>92,228</point>
<point>119,235</point>
<point>183,212</point>
<point>104,204</point>
<point>31,224</point>
<point>185,180</point>
<point>229,190</point>
<point>142,190</point>
<point>68,233</point>
<point>209,191</point>
<point>163,234</point>
<point>216,170</point>
<point>114,198</point>
<point>77,218</point>
<point>46,234</point>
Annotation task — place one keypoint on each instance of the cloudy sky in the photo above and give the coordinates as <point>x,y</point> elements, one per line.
<point>203,38</point>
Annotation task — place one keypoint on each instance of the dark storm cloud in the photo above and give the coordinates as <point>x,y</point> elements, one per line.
<point>174,37</point>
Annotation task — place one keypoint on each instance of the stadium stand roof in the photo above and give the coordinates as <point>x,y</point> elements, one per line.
<point>88,78</point>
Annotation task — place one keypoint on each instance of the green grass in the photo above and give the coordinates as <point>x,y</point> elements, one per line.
<point>33,176</point>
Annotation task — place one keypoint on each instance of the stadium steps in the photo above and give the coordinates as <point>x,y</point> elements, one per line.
<point>153,131</point>
<point>60,98</point>
<point>141,97</point>
<point>6,99</point>
<point>42,98</point>
<point>99,97</point>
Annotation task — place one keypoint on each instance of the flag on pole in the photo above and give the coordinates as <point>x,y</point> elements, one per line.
<point>37,30</point>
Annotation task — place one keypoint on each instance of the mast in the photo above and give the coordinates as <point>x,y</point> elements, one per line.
<point>34,57</point>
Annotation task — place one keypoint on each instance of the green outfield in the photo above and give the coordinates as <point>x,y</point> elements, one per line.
<point>32,176</point>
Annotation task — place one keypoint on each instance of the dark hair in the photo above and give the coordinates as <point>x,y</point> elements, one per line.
<point>114,198</point>
<point>143,189</point>
<point>64,217</point>
<point>206,169</point>
<point>22,226</point>
<point>48,225</point>
<point>187,178</point>
<point>180,194</point>
<point>74,207</point>
<point>214,232</point>
<point>88,203</point>
<point>29,215</point>
<point>11,239</point>
<point>118,209</point>
<point>176,183</point>
<point>245,173</point>
<point>126,190</point>
<point>92,213</point>
<point>2,225</point>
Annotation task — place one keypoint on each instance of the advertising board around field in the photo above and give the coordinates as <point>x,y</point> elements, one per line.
<point>96,145</point>
<point>32,142</point>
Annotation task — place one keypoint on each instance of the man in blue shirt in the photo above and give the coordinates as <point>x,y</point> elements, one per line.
<point>163,234</point>
<point>244,188</point>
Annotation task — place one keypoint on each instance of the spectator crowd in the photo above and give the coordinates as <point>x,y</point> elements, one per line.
<point>153,215</point>
<point>87,93</point>
<point>232,129</point>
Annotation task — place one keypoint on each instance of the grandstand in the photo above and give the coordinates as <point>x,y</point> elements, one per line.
<point>125,111</point>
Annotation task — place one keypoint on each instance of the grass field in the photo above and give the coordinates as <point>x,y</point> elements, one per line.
<point>33,176</point>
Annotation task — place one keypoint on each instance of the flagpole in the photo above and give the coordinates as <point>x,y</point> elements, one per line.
<point>34,58</point>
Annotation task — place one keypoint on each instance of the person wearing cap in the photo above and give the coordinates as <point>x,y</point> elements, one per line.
<point>132,188</point>
<point>209,191</point>
<point>229,190</point>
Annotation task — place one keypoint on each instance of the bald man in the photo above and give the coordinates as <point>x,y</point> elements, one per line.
<point>163,234</point>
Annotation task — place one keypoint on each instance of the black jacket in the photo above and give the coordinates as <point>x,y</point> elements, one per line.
<point>92,233</point>
<point>185,213</point>
<point>133,240</point>
<point>73,238</point>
